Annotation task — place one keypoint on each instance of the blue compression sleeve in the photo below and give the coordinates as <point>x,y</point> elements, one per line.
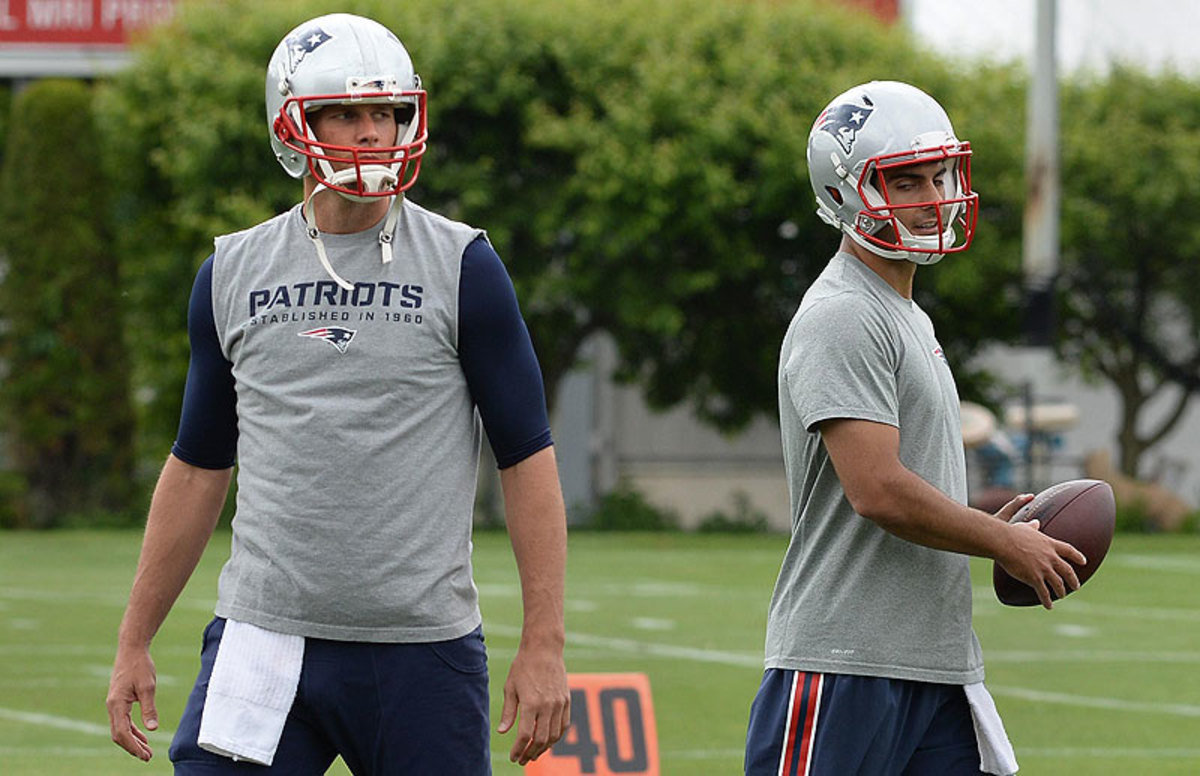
<point>208,423</point>
<point>497,358</point>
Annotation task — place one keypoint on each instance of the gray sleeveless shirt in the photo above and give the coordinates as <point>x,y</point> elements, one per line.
<point>358,441</point>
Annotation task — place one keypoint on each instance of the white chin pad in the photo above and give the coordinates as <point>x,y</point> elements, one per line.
<point>376,178</point>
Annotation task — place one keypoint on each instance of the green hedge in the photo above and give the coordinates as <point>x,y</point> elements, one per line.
<point>65,398</point>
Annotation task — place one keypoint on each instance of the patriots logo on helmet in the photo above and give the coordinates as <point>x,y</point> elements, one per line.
<point>304,44</point>
<point>334,335</point>
<point>844,122</point>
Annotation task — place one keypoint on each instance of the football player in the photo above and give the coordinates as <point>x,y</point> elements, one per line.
<point>347,355</point>
<point>872,666</point>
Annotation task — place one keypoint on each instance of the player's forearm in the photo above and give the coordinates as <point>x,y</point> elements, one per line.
<point>866,457</point>
<point>914,510</point>
<point>183,513</point>
<point>537,527</point>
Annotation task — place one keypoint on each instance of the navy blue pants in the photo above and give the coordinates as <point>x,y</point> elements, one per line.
<point>808,724</point>
<point>387,709</point>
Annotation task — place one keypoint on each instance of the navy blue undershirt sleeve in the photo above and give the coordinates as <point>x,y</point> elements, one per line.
<point>208,423</point>
<point>497,358</point>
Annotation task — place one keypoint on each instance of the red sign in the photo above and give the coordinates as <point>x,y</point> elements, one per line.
<point>76,22</point>
<point>612,730</point>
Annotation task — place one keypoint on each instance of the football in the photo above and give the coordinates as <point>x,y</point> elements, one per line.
<point>1079,512</point>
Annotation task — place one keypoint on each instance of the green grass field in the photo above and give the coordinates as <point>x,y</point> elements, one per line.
<point>1107,683</point>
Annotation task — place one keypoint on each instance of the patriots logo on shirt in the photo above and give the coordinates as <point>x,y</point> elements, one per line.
<point>308,41</point>
<point>334,335</point>
<point>942,355</point>
<point>843,122</point>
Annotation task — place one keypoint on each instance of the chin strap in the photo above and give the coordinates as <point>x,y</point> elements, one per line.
<point>385,235</point>
<point>904,237</point>
<point>389,228</point>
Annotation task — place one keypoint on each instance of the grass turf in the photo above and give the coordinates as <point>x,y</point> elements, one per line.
<point>1107,683</point>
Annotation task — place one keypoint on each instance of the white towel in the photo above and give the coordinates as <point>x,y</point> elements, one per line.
<point>995,751</point>
<point>250,693</point>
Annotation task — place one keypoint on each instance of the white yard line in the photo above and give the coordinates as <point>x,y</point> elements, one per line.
<point>1185,564</point>
<point>634,647</point>
<point>91,729</point>
<point>1092,702</point>
<point>102,599</point>
<point>987,605</point>
<point>1161,753</point>
<point>66,723</point>
<point>1086,656</point>
<point>1160,614</point>
<point>1148,753</point>
<point>56,752</point>
<point>748,660</point>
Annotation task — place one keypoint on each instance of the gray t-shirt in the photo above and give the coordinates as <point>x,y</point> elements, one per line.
<point>852,598</point>
<point>357,436</point>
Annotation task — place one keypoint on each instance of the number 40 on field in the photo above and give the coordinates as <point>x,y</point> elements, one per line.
<point>612,730</point>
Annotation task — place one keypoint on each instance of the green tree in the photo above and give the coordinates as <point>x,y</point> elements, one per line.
<point>5,111</point>
<point>65,398</point>
<point>185,147</point>
<point>975,298</point>
<point>645,165</point>
<point>1130,279</point>
<point>639,166</point>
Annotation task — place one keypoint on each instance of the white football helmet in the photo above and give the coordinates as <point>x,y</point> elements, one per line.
<point>345,59</point>
<point>875,128</point>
